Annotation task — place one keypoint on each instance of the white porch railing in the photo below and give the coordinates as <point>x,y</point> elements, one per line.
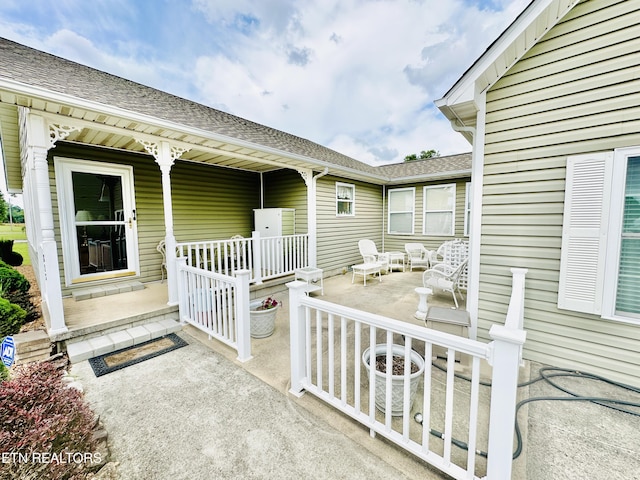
<point>327,343</point>
<point>264,257</point>
<point>216,304</point>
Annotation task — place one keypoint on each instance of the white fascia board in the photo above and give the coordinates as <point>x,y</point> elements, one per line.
<point>431,177</point>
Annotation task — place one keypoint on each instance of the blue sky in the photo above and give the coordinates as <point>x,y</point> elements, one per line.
<point>359,76</point>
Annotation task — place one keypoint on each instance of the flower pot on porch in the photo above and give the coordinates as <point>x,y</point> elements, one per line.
<point>263,322</point>
<point>397,381</point>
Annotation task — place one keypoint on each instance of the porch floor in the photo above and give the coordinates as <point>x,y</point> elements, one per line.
<point>95,316</point>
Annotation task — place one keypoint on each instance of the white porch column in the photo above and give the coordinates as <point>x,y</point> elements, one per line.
<point>39,140</point>
<point>165,155</point>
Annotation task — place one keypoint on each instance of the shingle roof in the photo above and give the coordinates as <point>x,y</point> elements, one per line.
<point>450,165</point>
<point>39,69</point>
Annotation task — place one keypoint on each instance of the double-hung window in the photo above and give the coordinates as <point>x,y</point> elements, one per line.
<point>600,262</point>
<point>401,210</point>
<point>345,199</point>
<point>439,209</point>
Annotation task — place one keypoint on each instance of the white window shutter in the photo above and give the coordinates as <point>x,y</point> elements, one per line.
<point>584,232</point>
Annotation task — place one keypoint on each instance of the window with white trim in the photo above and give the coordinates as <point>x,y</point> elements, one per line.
<point>467,208</point>
<point>439,209</point>
<point>345,199</point>
<point>401,210</point>
<point>600,261</point>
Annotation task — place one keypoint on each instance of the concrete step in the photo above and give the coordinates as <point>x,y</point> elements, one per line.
<point>110,342</point>
<point>104,290</point>
<point>32,346</point>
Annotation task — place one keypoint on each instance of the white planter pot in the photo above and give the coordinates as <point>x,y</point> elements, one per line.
<point>397,381</point>
<point>263,322</point>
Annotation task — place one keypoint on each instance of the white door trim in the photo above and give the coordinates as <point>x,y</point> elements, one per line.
<point>66,209</point>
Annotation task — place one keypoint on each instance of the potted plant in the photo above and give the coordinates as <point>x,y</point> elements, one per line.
<point>397,376</point>
<point>263,316</point>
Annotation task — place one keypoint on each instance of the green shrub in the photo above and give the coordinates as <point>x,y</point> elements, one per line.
<point>8,255</point>
<point>12,317</point>
<point>12,280</point>
<point>4,373</point>
<point>41,416</point>
<point>23,300</point>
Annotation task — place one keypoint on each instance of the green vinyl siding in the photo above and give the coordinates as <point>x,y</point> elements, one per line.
<point>212,203</point>
<point>395,242</point>
<point>338,235</point>
<point>574,92</point>
<point>286,189</point>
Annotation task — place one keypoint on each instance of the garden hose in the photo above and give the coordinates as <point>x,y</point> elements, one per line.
<point>614,404</point>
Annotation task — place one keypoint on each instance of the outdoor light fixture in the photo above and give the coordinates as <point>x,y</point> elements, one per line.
<point>104,197</point>
<point>84,216</point>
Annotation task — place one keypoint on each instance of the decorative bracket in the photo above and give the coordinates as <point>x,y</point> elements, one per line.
<point>306,176</point>
<point>60,132</point>
<point>176,152</point>
<point>153,148</point>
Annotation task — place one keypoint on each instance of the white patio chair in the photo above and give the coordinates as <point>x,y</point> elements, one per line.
<point>368,249</point>
<point>445,277</point>
<point>163,267</point>
<point>451,253</point>
<point>418,255</point>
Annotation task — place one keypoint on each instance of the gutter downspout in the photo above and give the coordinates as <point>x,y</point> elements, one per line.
<point>312,226</point>
<point>384,199</point>
<point>475,228</point>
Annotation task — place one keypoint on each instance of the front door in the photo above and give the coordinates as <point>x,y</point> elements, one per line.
<point>98,220</point>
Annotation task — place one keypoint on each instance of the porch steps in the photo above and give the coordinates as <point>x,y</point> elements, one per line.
<point>104,290</point>
<point>32,346</point>
<point>110,342</point>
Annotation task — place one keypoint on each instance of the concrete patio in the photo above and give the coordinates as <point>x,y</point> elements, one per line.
<point>563,439</point>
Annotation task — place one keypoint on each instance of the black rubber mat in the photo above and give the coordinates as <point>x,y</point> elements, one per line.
<point>110,362</point>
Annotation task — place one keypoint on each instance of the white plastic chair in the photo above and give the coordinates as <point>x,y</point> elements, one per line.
<point>418,255</point>
<point>445,277</point>
<point>161,248</point>
<point>368,249</point>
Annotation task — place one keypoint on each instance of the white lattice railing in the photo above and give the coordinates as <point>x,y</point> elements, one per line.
<point>264,257</point>
<point>453,253</point>
<point>216,304</point>
<point>458,418</point>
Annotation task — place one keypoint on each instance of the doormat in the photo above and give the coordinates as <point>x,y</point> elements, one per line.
<point>110,362</point>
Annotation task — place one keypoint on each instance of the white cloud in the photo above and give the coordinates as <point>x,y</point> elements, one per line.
<point>366,76</point>
<point>359,76</point>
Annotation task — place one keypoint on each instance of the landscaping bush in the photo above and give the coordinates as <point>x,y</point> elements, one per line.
<point>12,317</point>
<point>23,300</point>
<point>8,255</point>
<point>46,427</point>
<point>12,280</point>
<point>4,373</point>
<point>14,287</point>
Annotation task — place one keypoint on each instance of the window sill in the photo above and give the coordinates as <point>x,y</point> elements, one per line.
<point>619,319</point>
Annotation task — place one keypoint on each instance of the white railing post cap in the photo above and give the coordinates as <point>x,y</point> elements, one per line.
<point>506,334</point>
<point>296,285</point>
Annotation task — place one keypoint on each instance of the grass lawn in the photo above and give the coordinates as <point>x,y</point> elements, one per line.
<point>12,232</point>
<point>16,232</point>
<point>23,250</point>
